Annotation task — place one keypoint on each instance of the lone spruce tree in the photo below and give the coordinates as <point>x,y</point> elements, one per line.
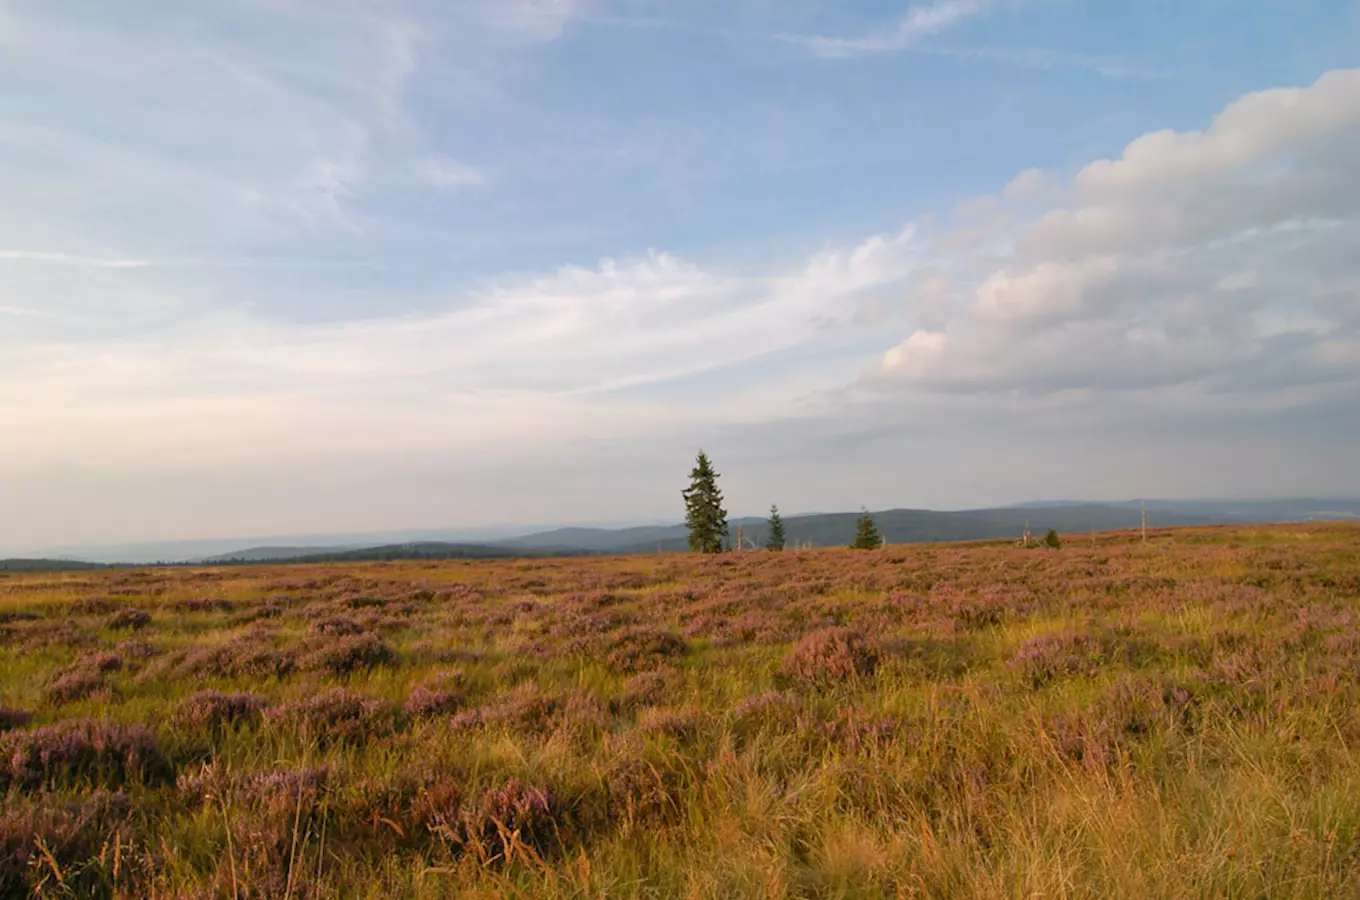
<point>866,534</point>
<point>704,513</point>
<point>776,539</point>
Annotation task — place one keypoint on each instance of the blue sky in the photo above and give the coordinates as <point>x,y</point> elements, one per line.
<point>291,266</point>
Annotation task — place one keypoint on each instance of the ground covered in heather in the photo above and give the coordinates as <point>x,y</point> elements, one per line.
<point>1113,719</point>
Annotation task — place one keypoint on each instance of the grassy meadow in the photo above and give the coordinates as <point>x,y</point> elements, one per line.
<point>1173,719</point>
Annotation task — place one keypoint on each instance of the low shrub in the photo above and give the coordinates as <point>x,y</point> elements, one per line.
<point>334,716</point>
<point>82,678</point>
<point>1051,656</point>
<point>498,817</point>
<point>82,750</point>
<point>214,711</point>
<point>439,695</point>
<point>830,656</point>
<point>351,653</point>
<point>130,619</point>
<point>636,649</point>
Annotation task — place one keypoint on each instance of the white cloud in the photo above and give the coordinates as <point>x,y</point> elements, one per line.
<point>1028,185</point>
<point>536,358</point>
<point>1257,129</point>
<point>1208,261</point>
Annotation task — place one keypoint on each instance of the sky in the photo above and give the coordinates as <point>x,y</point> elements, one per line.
<point>298,266</point>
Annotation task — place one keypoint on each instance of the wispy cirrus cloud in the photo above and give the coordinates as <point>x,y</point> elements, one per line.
<point>919,22</point>
<point>70,259</point>
<point>450,174</point>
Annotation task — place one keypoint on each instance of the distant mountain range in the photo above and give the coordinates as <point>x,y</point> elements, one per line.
<point>898,526</point>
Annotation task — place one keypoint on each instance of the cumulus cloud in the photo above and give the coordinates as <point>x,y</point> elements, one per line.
<point>1212,261</point>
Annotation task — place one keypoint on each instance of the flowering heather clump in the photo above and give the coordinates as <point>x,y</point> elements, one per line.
<point>648,688</point>
<point>338,626</point>
<point>439,695</point>
<point>213,710</point>
<point>1050,656</point>
<point>336,715</point>
<point>762,626</point>
<point>578,630</point>
<point>76,750</point>
<point>83,677</point>
<point>202,605</point>
<point>344,655</point>
<point>525,708</point>
<point>636,649</point>
<point>262,612</point>
<point>93,606</point>
<point>584,717</point>
<point>136,649</point>
<point>131,619</point>
<point>830,655</point>
<point>280,810</point>
<point>284,786</point>
<point>516,809</point>
<point>245,656</point>
<point>73,685</point>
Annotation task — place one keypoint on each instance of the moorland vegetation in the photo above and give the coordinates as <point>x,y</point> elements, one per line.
<point>1172,719</point>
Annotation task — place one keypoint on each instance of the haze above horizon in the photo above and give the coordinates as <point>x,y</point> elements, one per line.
<point>349,267</point>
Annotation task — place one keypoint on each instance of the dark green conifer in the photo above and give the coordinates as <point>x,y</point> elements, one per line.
<point>866,534</point>
<point>776,539</point>
<point>704,513</point>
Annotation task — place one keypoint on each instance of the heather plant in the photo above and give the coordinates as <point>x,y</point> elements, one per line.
<point>130,619</point>
<point>252,655</point>
<point>334,716</point>
<point>201,605</point>
<point>83,677</point>
<point>500,820</point>
<point>1042,659</point>
<point>343,655</point>
<point>829,656</point>
<point>439,695</point>
<point>636,649</point>
<point>213,710</point>
<point>339,626</point>
<point>82,750</point>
